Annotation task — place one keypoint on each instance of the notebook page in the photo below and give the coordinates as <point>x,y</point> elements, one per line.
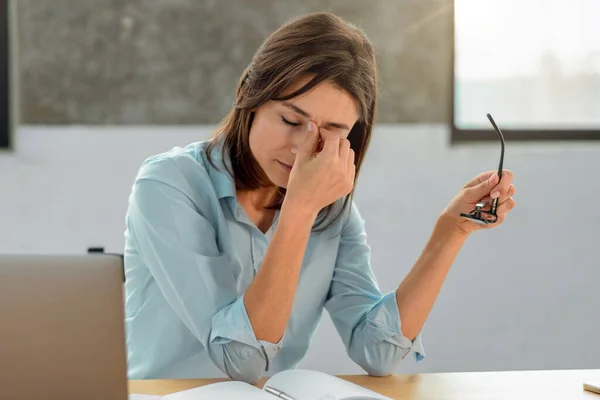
<point>314,385</point>
<point>134,396</point>
<point>221,390</point>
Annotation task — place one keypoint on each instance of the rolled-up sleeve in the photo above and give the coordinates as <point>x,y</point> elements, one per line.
<point>179,247</point>
<point>244,357</point>
<point>367,320</point>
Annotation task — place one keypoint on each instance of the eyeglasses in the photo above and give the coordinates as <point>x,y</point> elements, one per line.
<point>489,216</point>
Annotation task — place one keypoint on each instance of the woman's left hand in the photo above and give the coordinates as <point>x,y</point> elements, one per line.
<point>482,188</point>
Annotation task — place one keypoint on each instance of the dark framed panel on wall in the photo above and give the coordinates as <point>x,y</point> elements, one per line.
<point>6,112</point>
<point>533,65</point>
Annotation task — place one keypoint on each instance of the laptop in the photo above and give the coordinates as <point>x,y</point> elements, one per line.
<point>62,332</point>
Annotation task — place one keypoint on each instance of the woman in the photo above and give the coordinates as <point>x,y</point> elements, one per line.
<point>235,245</point>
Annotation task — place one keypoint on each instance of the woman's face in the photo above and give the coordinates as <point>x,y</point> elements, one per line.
<point>279,127</point>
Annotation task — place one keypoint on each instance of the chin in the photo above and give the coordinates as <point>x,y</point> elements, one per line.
<point>279,179</point>
<point>282,183</point>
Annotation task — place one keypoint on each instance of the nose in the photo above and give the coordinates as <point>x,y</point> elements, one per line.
<point>299,138</point>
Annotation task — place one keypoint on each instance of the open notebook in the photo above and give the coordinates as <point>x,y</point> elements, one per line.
<point>296,384</point>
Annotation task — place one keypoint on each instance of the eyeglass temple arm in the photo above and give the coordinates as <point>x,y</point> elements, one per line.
<point>499,133</point>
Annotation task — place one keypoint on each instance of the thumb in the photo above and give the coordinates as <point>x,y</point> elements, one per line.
<point>481,190</point>
<point>311,140</point>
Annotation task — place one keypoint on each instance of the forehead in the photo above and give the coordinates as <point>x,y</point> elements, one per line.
<point>324,102</point>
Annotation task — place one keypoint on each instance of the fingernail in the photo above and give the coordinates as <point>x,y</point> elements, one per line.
<point>310,126</point>
<point>495,195</point>
<point>492,177</point>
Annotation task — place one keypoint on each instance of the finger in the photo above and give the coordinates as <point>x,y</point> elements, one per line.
<point>331,144</point>
<point>484,176</point>
<point>309,146</point>
<point>506,173</point>
<point>351,157</point>
<point>320,145</point>
<point>503,186</point>
<point>479,191</point>
<point>504,208</point>
<point>512,190</point>
<point>351,165</point>
<point>344,149</point>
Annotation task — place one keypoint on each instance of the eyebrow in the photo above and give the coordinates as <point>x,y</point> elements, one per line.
<point>307,115</point>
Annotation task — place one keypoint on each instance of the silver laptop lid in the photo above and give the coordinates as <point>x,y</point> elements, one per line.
<point>62,327</point>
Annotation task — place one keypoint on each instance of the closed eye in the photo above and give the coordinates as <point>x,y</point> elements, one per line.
<point>285,121</point>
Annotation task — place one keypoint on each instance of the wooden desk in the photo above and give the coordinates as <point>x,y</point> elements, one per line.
<point>514,385</point>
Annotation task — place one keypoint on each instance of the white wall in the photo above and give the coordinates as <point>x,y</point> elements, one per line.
<point>523,296</point>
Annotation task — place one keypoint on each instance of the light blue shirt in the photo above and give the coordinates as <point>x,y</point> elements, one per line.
<point>190,253</point>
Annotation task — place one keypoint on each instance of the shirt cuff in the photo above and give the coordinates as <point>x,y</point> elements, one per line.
<point>232,324</point>
<point>385,319</point>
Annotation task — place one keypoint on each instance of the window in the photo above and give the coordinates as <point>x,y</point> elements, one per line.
<point>5,81</point>
<point>534,65</point>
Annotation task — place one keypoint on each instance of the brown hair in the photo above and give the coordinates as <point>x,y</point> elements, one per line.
<point>321,45</point>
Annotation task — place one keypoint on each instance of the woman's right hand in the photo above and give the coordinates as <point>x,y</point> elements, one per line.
<point>319,178</point>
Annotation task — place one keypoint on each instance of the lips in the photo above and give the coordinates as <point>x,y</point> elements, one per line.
<point>287,167</point>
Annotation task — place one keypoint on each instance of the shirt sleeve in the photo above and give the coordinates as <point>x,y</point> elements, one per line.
<point>367,321</point>
<point>178,245</point>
